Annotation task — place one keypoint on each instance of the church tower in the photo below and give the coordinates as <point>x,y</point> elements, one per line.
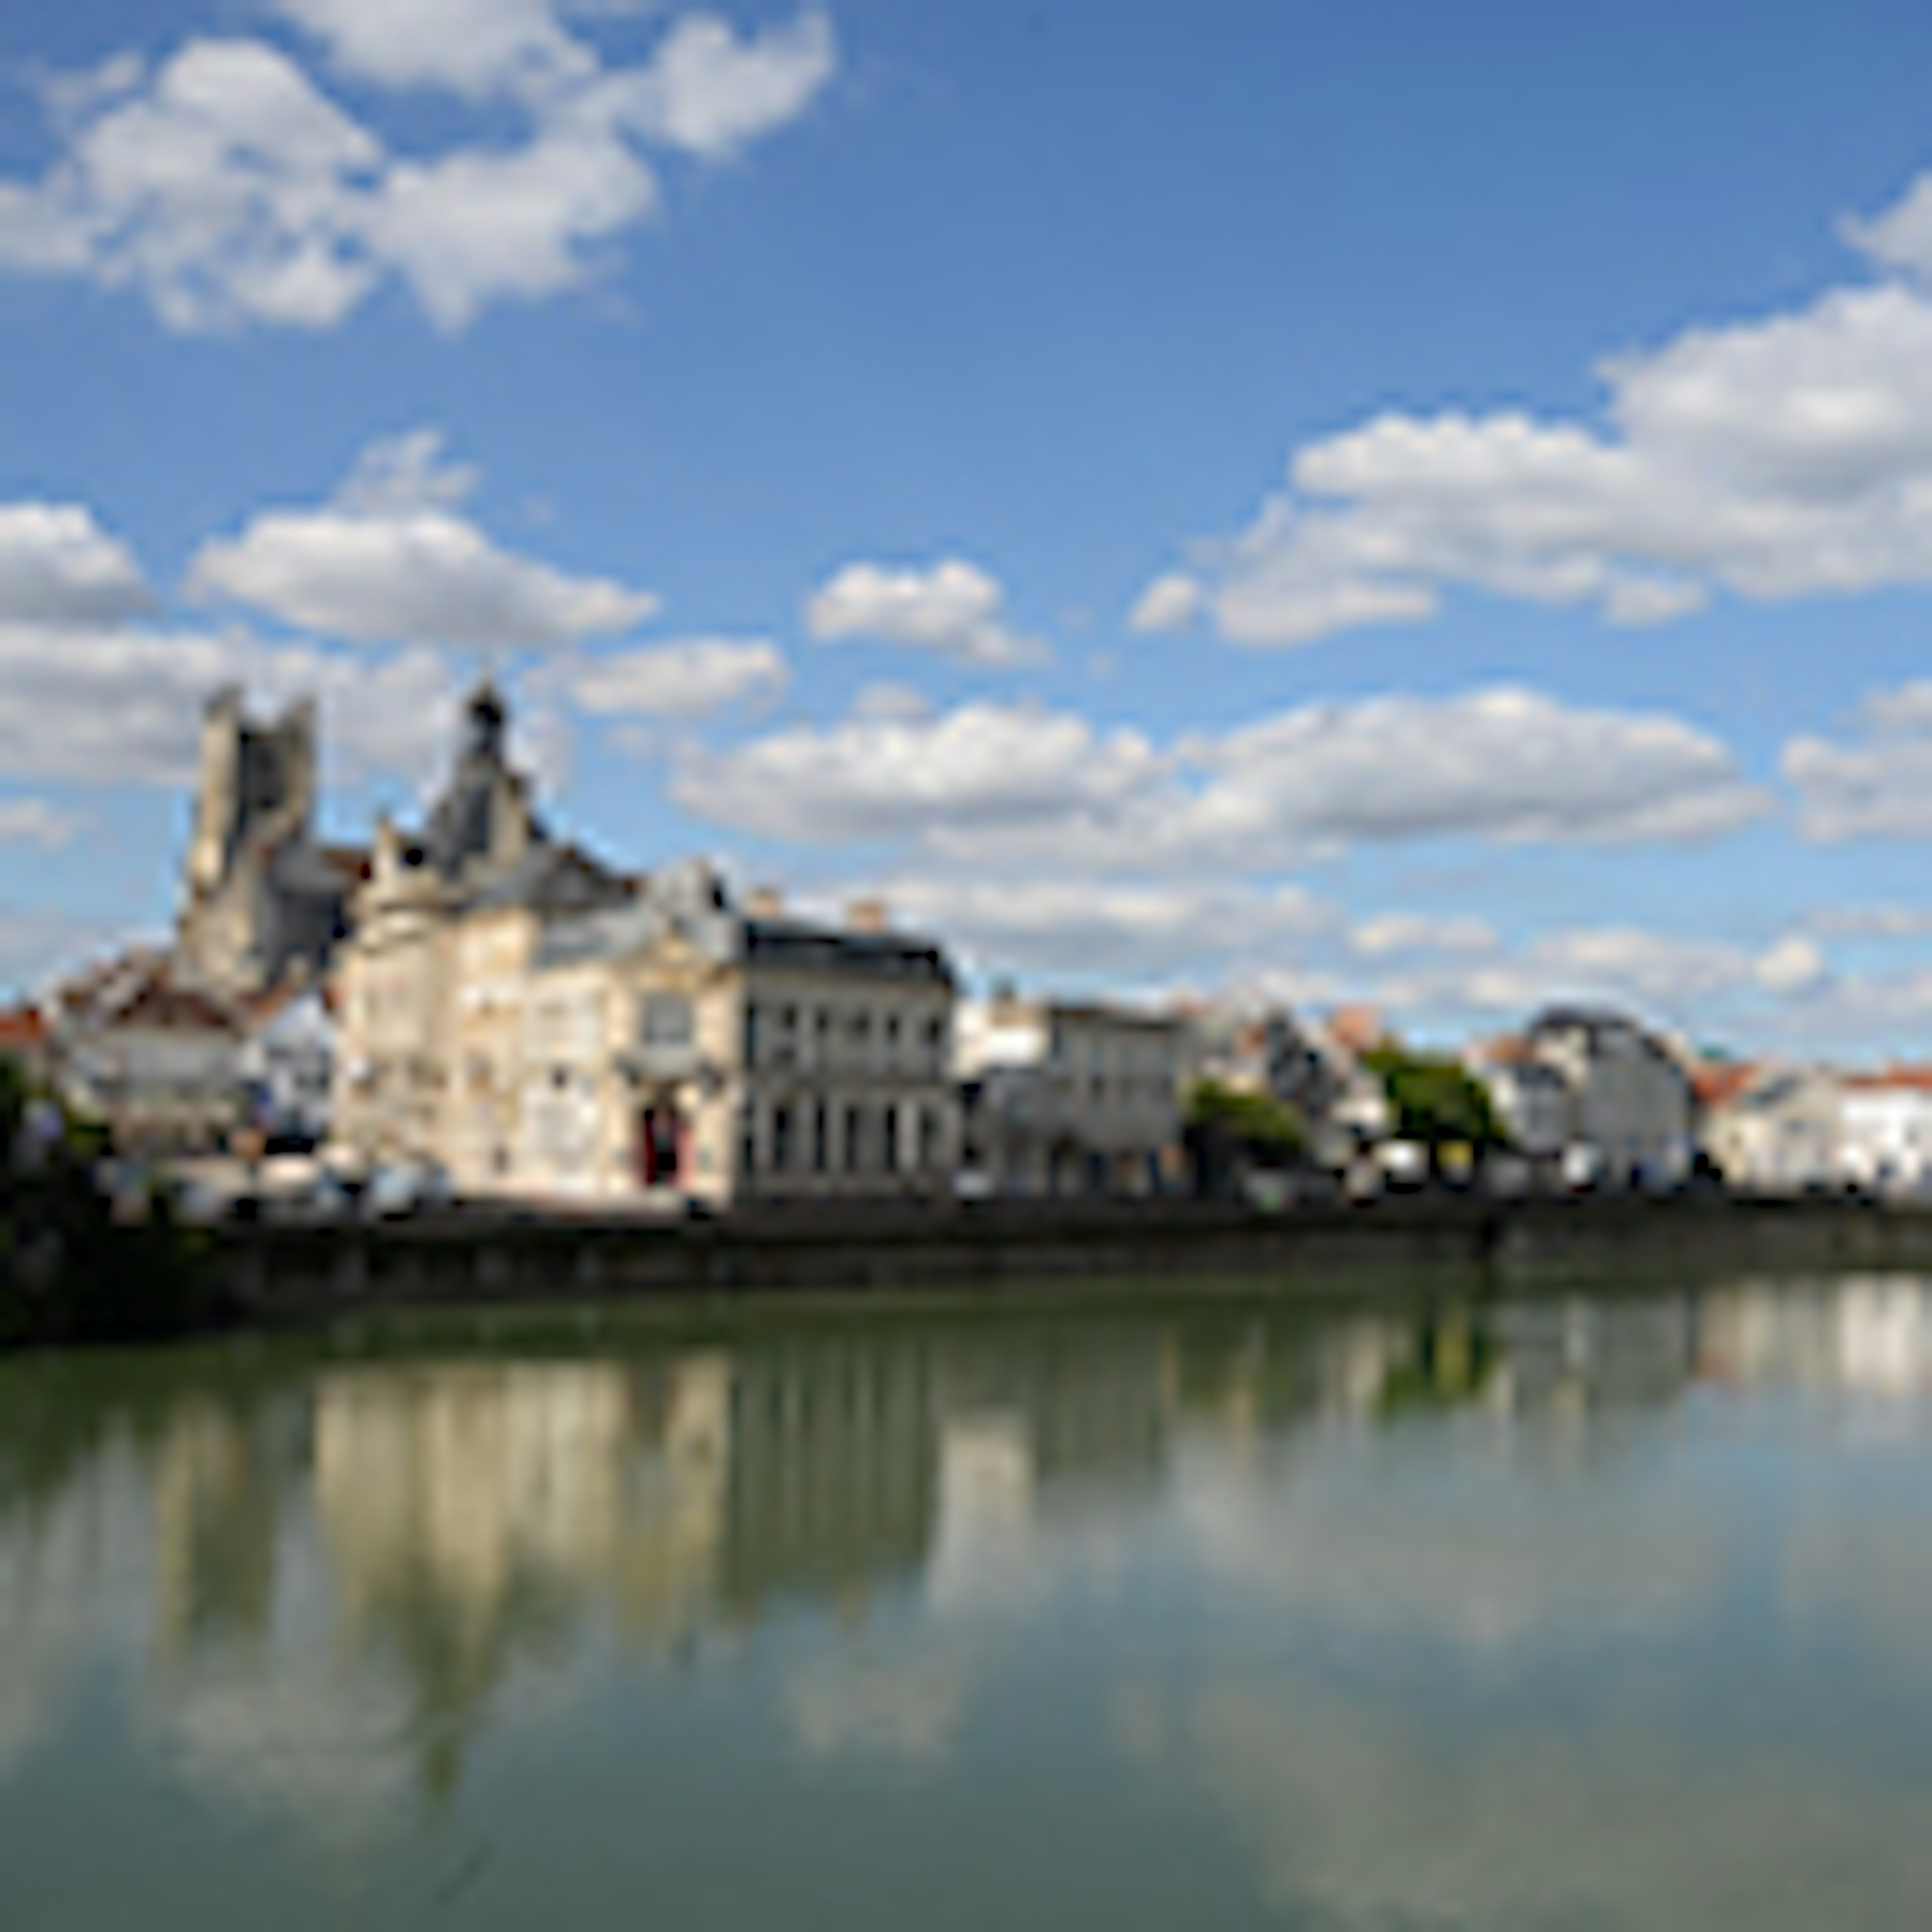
<point>260,897</point>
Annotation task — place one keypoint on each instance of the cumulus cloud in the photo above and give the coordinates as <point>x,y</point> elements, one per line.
<point>686,679</point>
<point>1879,785</point>
<point>710,92</point>
<point>228,190</point>
<point>473,47</point>
<point>1076,925</point>
<point>873,778</point>
<point>35,941</point>
<point>223,186</point>
<point>390,560</point>
<point>58,566</point>
<point>122,705</point>
<point>1782,457</point>
<point>476,227</point>
<point>1505,764</point>
<point>33,821</point>
<point>953,608</point>
<point>1398,932</point>
<point>1168,603</point>
<point>1040,788</point>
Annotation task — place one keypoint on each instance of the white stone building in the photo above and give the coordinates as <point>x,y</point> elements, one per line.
<point>1070,1098</point>
<point>156,1062</point>
<point>539,1026</point>
<point>287,1062</point>
<point>1632,1113</point>
<point>683,1046</point>
<point>1886,1131</point>
<point>1780,1129</point>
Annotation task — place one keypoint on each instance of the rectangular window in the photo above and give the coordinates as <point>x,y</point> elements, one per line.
<point>782,1137</point>
<point>890,1154</point>
<point>751,1033</point>
<point>854,1135</point>
<point>667,1020</point>
<point>821,1137</point>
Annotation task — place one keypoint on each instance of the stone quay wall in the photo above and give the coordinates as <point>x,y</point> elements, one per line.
<point>278,1273</point>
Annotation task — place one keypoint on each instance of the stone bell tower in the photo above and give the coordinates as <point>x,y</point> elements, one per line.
<point>257,891</point>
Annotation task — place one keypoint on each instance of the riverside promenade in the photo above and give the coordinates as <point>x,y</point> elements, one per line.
<point>296,1274</point>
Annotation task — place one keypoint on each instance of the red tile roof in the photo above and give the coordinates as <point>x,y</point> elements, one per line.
<point>22,1029</point>
<point>1718,1082</point>
<point>174,1009</point>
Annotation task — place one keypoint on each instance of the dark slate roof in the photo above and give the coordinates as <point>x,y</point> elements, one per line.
<point>793,942</point>
<point>690,900</point>
<point>553,879</point>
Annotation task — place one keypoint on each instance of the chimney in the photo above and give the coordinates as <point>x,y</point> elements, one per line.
<point>866,916</point>
<point>764,902</point>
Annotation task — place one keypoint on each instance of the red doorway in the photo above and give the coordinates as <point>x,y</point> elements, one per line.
<point>660,1137</point>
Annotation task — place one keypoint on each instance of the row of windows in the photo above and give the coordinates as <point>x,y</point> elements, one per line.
<point>1126,1054</point>
<point>823,1036</point>
<point>822,1137</point>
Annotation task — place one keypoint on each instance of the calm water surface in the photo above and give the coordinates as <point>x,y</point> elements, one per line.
<point>1595,1611</point>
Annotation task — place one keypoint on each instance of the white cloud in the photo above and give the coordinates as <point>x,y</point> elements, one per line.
<point>391,560</point>
<point>35,942</point>
<point>1088,926</point>
<point>982,766</point>
<point>1688,981</point>
<point>888,700</point>
<point>684,679</point>
<point>1036,790</point>
<point>1879,785</point>
<point>1504,764</point>
<point>471,228</point>
<point>472,47</point>
<point>226,188</point>
<point>1398,932</point>
<point>1871,922</point>
<point>1169,603</point>
<point>33,821</point>
<point>58,566</point>
<point>1783,457</point>
<point>122,705</point>
<point>710,92</point>
<point>952,608</point>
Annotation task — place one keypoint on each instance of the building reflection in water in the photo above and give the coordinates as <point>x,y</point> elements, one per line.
<point>353,1564</point>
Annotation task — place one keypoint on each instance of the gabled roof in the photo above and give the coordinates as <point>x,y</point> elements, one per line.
<point>164,1007</point>
<point>1904,1079</point>
<point>22,1029</point>
<point>1716,1082</point>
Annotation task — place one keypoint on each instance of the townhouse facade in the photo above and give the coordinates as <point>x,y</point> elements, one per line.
<point>1067,1098</point>
<point>539,1026</point>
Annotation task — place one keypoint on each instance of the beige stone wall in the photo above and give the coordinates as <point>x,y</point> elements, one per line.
<point>588,1075</point>
<point>489,956</point>
<point>392,1061</point>
<point>875,1053</point>
<point>456,1047</point>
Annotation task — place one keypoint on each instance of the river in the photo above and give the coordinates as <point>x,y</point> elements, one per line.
<point>1577,1609</point>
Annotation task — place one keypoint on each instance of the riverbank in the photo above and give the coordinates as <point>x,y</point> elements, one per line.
<point>274,1275</point>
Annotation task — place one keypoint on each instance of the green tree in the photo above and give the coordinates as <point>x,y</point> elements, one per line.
<point>1435,1100</point>
<point>1267,1132</point>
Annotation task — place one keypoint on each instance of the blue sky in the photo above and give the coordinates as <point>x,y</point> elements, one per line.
<point>1426,504</point>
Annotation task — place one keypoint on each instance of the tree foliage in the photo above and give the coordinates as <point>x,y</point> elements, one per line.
<point>1435,1100</point>
<point>73,1268</point>
<point>1268,1131</point>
